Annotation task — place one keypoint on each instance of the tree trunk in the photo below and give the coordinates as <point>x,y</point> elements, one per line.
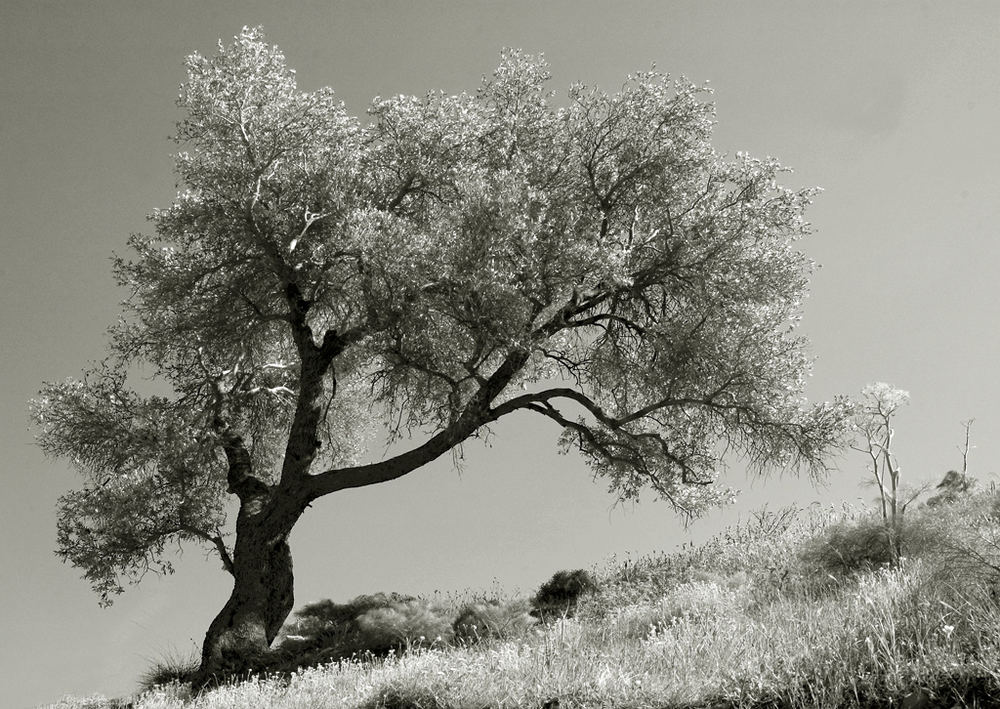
<point>261,600</point>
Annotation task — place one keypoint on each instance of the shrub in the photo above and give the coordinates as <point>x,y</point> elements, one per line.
<point>968,550</point>
<point>327,617</point>
<point>846,548</point>
<point>953,488</point>
<point>559,595</point>
<point>481,621</point>
<point>408,623</point>
<point>326,631</point>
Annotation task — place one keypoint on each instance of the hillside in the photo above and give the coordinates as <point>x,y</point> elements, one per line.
<point>797,608</point>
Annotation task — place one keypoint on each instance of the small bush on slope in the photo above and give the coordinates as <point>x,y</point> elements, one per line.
<point>367,625</point>
<point>560,594</point>
<point>970,537</point>
<point>493,621</point>
<point>959,541</point>
<point>315,619</point>
<point>847,548</point>
<point>408,624</point>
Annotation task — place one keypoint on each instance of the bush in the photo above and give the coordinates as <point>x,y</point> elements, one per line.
<point>968,550</point>
<point>329,618</point>
<point>847,548</point>
<point>559,595</point>
<point>481,621</point>
<point>409,623</point>
<point>953,488</point>
<point>326,631</point>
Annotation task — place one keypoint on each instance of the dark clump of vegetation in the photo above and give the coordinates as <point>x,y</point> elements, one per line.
<point>368,627</point>
<point>405,698</point>
<point>560,595</point>
<point>850,547</point>
<point>957,688</point>
<point>952,488</point>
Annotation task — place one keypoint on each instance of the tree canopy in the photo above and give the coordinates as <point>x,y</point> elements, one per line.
<point>444,262</point>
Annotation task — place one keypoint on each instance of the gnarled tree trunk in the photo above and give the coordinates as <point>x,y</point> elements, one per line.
<point>262,595</point>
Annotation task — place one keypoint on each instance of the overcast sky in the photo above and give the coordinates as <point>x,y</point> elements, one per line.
<point>892,108</point>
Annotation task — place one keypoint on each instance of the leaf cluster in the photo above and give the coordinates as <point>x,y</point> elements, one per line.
<point>444,263</point>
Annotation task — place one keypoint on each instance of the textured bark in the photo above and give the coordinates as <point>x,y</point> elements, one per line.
<point>262,595</point>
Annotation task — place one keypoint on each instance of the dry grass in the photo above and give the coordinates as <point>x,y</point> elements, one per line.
<point>746,621</point>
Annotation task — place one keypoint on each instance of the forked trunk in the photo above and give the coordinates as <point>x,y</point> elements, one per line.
<point>262,594</point>
<point>261,600</point>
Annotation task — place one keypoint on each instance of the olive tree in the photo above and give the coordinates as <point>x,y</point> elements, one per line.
<point>441,264</point>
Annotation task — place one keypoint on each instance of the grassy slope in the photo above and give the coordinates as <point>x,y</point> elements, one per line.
<point>789,610</point>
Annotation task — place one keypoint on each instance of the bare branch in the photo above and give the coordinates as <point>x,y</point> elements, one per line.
<point>217,541</point>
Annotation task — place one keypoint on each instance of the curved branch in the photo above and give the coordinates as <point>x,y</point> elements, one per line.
<point>543,397</point>
<point>630,452</point>
<point>474,415</point>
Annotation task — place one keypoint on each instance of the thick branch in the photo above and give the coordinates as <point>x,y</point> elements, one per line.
<point>475,414</point>
<point>628,452</point>
<point>404,189</point>
<point>239,476</point>
<point>396,467</point>
<point>315,363</point>
<point>543,397</point>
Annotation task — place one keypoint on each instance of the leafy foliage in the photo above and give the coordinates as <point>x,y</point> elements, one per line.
<point>325,631</point>
<point>852,547</point>
<point>448,262</point>
<point>151,479</point>
<point>560,594</point>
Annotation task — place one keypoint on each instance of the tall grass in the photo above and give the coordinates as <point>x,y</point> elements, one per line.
<point>760,616</point>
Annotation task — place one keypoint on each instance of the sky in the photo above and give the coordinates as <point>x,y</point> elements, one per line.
<point>892,108</point>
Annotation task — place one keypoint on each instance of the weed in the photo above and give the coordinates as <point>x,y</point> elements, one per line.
<point>171,668</point>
